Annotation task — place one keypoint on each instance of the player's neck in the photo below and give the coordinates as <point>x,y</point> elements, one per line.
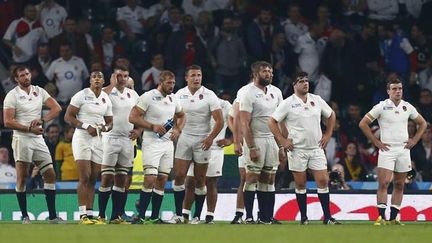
<point>120,88</point>
<point>262,87</point>
<point>96,91</point>
<point>193,90</point>
<point>26,89</point>
<point>161,91</point>
<point>396,102</point>
<point>303,97</point>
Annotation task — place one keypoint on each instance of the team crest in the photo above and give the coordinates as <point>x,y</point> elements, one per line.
<point>35,94</point>
<point>201,96</point>
<point>312,103</point>
<point>271,95</point>
<point>128,95</point>
<point>103,100</point>
<point>404,108</point>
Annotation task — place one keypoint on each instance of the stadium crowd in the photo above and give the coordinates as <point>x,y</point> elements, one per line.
<point>348,48</point>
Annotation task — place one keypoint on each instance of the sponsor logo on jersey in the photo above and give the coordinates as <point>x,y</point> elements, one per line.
<point>295,105</point>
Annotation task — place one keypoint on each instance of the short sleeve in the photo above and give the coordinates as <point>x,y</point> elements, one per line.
<point>281,112</point>
<point>108,111</point>
<point>178,107</point>
<point>77,100</point>
<point>10,31</point>
<point>214,102</point>
<point>413,112</point>
<point>375,112</point>
<point>246,103</point>
<point>10,101</point>
<point>326,110</point>
<point>142,102</point>
<point>45,95</point>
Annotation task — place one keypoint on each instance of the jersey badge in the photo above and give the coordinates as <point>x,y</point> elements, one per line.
<point>184,97</point>
<point>128,95</point>
<point>88,98</point>
<point>259,95</point>
<point>201,96</point>
<point>271,95</point>
<point>312,103</point>
<point>35,94</point>
<point>404,108</point>
<point>295,105</point>
<point>157,98</point>
<point>103,100</point>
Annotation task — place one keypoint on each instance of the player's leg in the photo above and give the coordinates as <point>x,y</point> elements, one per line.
<point>397,194</point>
<point>118,191</point>
<point>150,175</point>
<point>107,181</point>
<point>84,171</point>
<point>201,161</point>
<point>253,171</point>
<point>43,160</point>
<point>384,177</point>
<point>94,175</point>
<point>239,200</point>
<point>212,195</point>
<point>189,195</point>
<point>300,179</point>
<point>22,169</point>
<point>158,194</point>
<point>267,190</point>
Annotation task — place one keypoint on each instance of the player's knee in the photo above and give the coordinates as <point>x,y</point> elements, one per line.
<point>384,184</point>
<point>398,185</point>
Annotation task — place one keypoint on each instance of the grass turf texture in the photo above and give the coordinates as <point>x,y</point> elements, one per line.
<point>350,231</point>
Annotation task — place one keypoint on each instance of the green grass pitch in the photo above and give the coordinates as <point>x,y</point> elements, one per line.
<point>292,232</point>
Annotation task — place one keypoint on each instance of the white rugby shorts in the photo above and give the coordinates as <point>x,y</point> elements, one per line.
<point>117,150</point>
<point>268,156</point>
<point>86,147</point>
<point>396,159</point>
<point>157,157</point>
<point>189,148</point>
<point>30,149</point>
<point>214,166</point>
<point>301,159</point>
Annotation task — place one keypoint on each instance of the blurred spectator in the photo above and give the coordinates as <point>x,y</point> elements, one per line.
<point>228,56</point>
<point>323,19</point>
<point>335,145</point>
<point>354,11</point>
<point>350,126</point>
<point>131,19</point>
<point>43,58</point>
<point>383,9</point>
<point>413,7</point>
<point>158,9</point>
<point>9,83</point>
<point>369,152</point>
<point>183,49</point>
<point>150,77</point>
<point>194,7</point>
<point>399,55</point>
<point>8,10</point>
<point>259,35</point>
<point>52,17</point>
<point>173,23</point>
<point>425,76</point>
<point>323,87</point>
<point>7,171</point>
<point>66,168</point>
<point>421,155</point>
<point>24,34</point>
<point>309,47</point>
<point>68,72</point>
<point>78,42</point>
<point>83,28</point>
<point>341,68</point>
<point>353,169</point>
<point>412,128</point>
<point>283,60</point>
<point>52,137</point>
<point>337,178</point>
<point>425,104</point>
<point>293,25</point>
<point>205,27</point>
<point>108,48</point>
<point>422,46</point>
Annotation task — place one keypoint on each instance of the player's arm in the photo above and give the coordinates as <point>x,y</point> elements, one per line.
<point>245,121</point>
<point>108,124</point>
<point>180,120</point>
<point>330,124</point>
<point>113,83</point>
<point>54,109</point>
<point>136,117</point>
<point>237,130</point>
<point>10,122</point>
<point>218,118</point>
<point>70,117</point>
<point>364,125</point>
<point>422,125</point>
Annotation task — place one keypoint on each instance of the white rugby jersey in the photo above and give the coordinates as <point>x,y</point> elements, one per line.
<point>52,19</point>
<point>293,31</point>
<point>158,110</point>
<point>303,120</point>
<point>393,120</point>
<point>28,107</point>
<point>26,35</point>
<point>122,104</point>
<point>92,109</point>
<point>241,91</point>
<point>226,107</point>
<point>310,52</point>
<point>261,105</point>
<point>70,76</point>
<point>132,17</point>
<point>198,108</point>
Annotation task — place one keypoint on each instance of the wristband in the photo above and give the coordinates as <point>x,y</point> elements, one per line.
<point>107,128</point>
<point>85,126</point>
<point>29,129</point>
<point>253,148</point>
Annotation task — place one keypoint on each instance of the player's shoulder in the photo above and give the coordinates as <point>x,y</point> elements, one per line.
<point>206,90</point>
<point>57,61</point>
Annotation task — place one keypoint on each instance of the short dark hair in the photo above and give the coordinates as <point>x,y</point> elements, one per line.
<point>52,125</point>
<point>299,75</point>
<point>121,68</point>
<point>256,66</point>
<point>192,67</point>
<point>19,68</point>
<point>391,81</point>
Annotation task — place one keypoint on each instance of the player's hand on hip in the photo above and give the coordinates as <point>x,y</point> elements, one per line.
<point>36,123</point>
<point>324,141</point>
<point>134,134</point>
<point>382,146</point>
<point>206,143</point>
<point>254,154</point>
<point>159,129</point>
<point>175,133</point>
<point>410,143</point>
<point>92,131</point>
<point>36,130</point>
